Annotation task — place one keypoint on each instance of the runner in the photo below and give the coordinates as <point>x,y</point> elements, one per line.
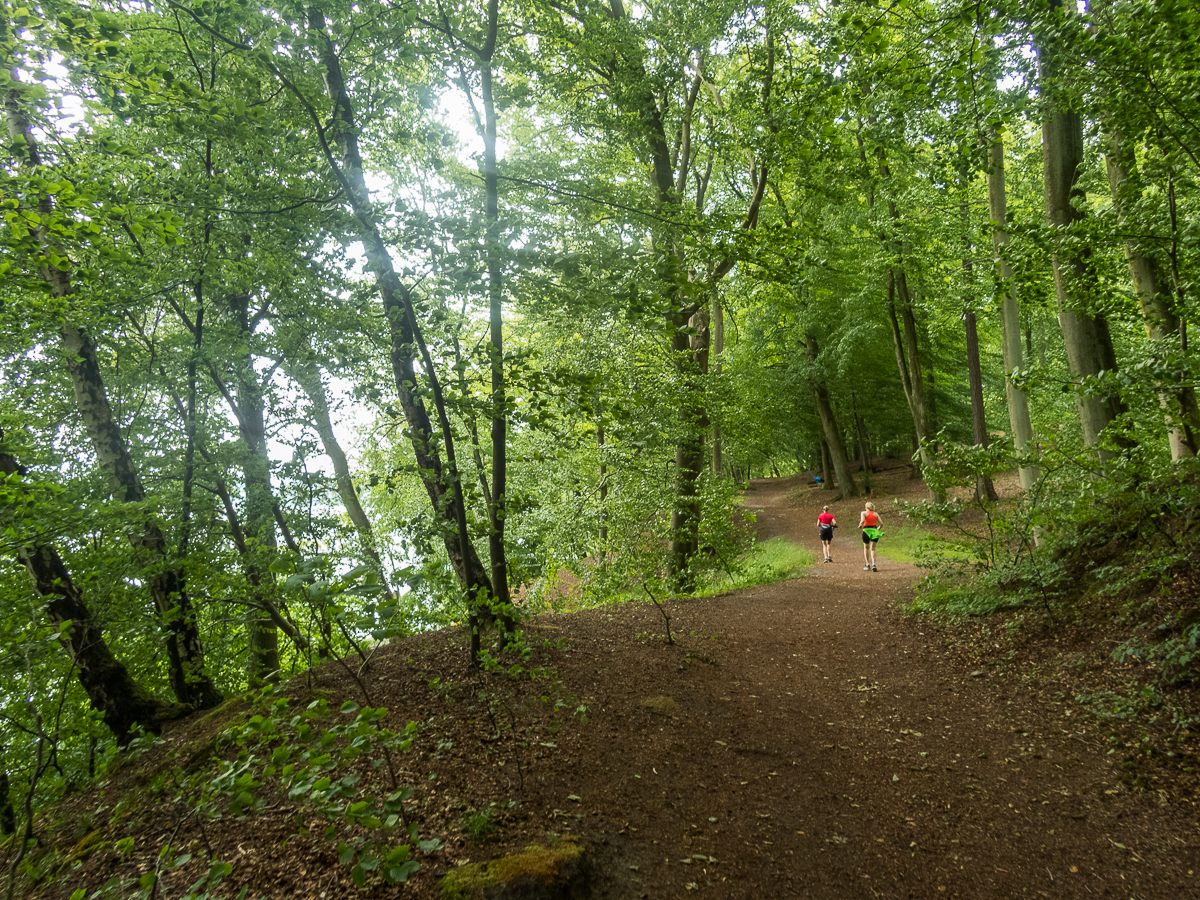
<point>827,522</point>
<point>872,527</point>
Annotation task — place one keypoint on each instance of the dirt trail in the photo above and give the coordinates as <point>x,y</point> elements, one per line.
<point>825,750</point>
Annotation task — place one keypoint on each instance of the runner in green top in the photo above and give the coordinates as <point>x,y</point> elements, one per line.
<point>871,527</point>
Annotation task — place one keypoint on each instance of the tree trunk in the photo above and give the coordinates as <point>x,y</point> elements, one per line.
<point>259,519</point>
<point>189,426</point>
<point>900,309</point>
<point>8,817</point>
<point>864,443</point>
<point>260,590</point>
<point>442,485</point>
<point>1158,313</point>
<point>860,430</point>
<point>1088,342</point>
<point>603,493</point>
<point>984,488</point>
<point>692,351</point>
<point>1010,313</point>
<point>499,396</point>
<point>833,438</point>
<point>932,425</point>
<point>120,700</point>
<point>185,656</point>
<point>718,349</point>
<point>307,374</point>
<point>908,361</point>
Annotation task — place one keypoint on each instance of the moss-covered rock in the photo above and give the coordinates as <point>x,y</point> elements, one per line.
<point>664,706</point>
<point>554,872</point>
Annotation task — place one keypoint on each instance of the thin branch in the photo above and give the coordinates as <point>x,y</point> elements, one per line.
<point>579,195</point>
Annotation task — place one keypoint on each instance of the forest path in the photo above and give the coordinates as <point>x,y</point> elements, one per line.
<point>825,747</point>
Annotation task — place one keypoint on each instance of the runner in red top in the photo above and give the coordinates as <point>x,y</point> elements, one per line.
<point>871,527</point>
<point>827,523</point>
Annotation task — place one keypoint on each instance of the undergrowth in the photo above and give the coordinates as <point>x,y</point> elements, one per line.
<point>332,763</point>
<point>1102,558</point>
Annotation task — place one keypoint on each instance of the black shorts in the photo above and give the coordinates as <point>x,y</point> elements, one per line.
<point>827,532</point>
<point>867,540</point>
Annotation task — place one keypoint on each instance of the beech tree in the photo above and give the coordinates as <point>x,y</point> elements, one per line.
<point>1085,331</point>
<point>122,702</point>
<point>189,680</point>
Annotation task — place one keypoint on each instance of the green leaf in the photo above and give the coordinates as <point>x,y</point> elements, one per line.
<point>397,855</point>
<point>399,874</point>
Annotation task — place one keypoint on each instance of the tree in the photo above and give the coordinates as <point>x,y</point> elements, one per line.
<point>1085,331</point>
<point>443,485</point>
<point>189,679</point>
<point>653,89</point>
<point>483,47</point>
<point>122,702</point>
<point>1010,316</point>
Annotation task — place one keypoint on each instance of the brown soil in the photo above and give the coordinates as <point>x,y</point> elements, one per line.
<point>797,740</point>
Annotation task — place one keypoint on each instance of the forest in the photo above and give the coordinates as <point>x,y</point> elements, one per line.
<point>324,323</point>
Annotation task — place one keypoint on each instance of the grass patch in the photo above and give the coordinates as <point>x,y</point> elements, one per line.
<point>775,560</point>
<point>764,563</point>
<point>481,825</point>
<point>905,542</point>
<point>900,543</point>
